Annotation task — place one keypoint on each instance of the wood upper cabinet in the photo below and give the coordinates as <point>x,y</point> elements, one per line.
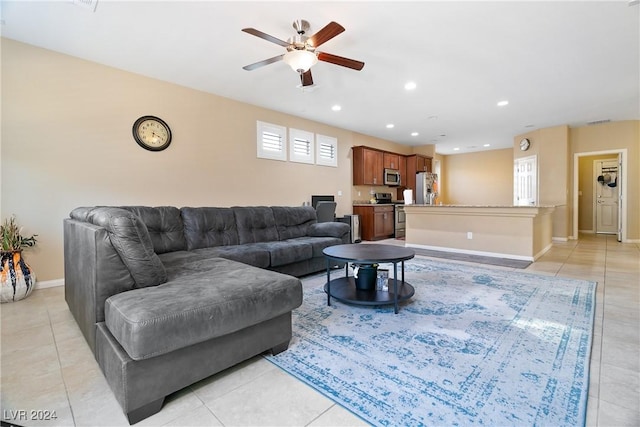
<point>403,172</point>
<point>368,166</point>
<point>416,163</point>
<point>376,222</point>
<point>391,161</point>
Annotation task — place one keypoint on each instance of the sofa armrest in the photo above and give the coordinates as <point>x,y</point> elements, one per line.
<point>329,229</point>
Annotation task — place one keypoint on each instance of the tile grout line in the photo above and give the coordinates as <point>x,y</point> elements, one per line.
<point>203,404</point>
<point>597,405</point>
<point>604,289</point>
<point>66,391</point>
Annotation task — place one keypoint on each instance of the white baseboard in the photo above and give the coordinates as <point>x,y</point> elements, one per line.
<point>470,252</point>
<point>559,239</point>
<point>543,251</point>
<point>49,283</point>
<point>587,231</point>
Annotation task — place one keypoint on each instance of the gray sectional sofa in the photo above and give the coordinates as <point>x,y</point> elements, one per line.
<point>166,297</point>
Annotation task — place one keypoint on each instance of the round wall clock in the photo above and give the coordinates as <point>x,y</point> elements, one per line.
<point>525,144</point>
<point>152,133</point>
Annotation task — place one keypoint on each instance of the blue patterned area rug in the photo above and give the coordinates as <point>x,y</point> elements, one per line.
<point>474,346</point>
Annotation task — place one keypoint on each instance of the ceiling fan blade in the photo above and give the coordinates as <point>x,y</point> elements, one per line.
<point>330,30</point>
<point>265,36</point>
<point>339,60</point>
<point>306,78</point>
<point>262,63</point>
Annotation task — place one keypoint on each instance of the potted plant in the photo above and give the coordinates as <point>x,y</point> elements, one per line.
<point>16,277</point>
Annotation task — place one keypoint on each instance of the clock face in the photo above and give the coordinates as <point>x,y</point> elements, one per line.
<point>524,144</point>
<point>152,133</point>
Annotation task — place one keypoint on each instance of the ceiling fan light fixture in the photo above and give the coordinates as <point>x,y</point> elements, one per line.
<point>300,60</point>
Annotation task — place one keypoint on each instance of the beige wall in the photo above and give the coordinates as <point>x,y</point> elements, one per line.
<point>67,142</point>
<point>481,178</point>
<point>555,148</point>
<point>624,135</point>
<point>551,146</point>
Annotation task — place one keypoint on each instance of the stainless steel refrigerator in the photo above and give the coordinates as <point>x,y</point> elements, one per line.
<point>425,188</point>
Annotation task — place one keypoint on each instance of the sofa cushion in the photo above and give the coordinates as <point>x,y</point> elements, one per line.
<point>206,227</point>
<point>219,297</point>
<point>255,224</point>
<point>287,252</point>
<point>251,253</point>
<point>165,227</point>
<point>130,237</point>
<point>329,229</point>
<point>293,221</point>
<point>175,260</point>
<point>317,244</point>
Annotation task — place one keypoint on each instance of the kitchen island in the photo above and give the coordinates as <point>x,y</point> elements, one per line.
<point>515,232</point>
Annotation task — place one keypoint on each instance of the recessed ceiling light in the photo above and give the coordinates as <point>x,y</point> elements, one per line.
<point>443,134</point>
<point>432,117</point>
<point>456,149</point>
<point>410,86</point>
<point>414,134</point>
<point>336,108</point>
<point>529,126</point>
<point>487,145</point>
<point>503,103</point>
<point>390,126</point>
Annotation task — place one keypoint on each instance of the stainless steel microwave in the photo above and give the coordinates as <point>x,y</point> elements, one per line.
<point>392,177</point>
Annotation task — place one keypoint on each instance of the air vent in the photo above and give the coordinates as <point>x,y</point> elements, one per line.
<point>598,122</point>
<point>87,4</point>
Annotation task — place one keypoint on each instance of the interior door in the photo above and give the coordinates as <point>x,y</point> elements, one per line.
<point>607,195</point>
<point>525,181</point>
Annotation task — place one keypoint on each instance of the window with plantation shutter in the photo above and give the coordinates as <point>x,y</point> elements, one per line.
<point>272,141</point>
<point>326,151</point>
<point>301,147</point>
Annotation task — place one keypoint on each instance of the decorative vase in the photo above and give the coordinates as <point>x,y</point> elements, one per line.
<point>17,278</point>
<point>367,277</point>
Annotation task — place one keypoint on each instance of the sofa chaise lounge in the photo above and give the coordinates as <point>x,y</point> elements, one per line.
<point>166,297</point>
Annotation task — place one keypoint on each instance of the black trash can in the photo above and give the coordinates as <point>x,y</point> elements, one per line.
<point>367,276</point>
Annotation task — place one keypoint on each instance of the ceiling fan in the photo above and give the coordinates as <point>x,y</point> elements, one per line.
<point>301,52</point>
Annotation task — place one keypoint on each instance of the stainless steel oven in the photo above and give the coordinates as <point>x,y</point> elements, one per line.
<point>400,221</point>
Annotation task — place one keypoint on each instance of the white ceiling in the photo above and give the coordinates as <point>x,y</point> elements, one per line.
<point>555,62</point>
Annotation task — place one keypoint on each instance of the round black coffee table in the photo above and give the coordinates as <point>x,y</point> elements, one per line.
<point>344,288</point>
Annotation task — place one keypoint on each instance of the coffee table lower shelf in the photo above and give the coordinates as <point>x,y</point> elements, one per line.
<point>344,289</point>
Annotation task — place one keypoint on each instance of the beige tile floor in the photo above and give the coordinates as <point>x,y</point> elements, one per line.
<point>47,366</point>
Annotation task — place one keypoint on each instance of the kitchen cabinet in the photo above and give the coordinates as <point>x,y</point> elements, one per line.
<point>416,163</point>
<point>391,161</point>
<point>403,171</point>
<point>376,221</point>
<point>368,166</point>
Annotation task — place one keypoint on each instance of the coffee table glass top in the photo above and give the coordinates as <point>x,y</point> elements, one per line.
<point>369,253</point>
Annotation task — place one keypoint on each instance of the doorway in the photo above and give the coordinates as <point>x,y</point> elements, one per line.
<point>606,190</point>
<point>525,181</point>
<point>579,193</point>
